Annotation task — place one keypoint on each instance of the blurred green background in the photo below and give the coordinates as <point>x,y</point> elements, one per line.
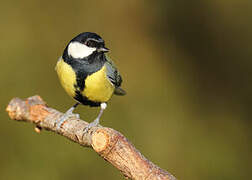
<point>187,69</point>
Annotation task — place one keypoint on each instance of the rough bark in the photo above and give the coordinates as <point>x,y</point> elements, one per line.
<point>108,143</point>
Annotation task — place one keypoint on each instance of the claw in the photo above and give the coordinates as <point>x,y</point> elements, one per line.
<point>64,117</point>
<point>67,115</point>
<point>92,124</point>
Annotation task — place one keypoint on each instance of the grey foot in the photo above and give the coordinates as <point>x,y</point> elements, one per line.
<point>96,121</point>
<point>92,124</point>
<point>64,117</point>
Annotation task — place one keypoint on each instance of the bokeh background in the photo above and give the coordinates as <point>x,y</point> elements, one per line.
<point>186,66</point>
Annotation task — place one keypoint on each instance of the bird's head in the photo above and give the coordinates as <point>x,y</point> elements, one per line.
<point>86,44</point>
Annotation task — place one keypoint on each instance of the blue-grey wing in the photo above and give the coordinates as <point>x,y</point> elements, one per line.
<point>114,77</point>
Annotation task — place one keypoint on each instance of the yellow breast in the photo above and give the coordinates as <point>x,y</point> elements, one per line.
<point>98,88</point>
<point>67,76</point>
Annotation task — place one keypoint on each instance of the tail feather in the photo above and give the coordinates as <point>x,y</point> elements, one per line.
<point>119,91</point>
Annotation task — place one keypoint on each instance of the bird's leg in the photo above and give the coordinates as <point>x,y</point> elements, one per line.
<point>67,114</point>
<point>97,120</point>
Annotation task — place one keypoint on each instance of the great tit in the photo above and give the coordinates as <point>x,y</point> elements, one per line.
<point>88,74</point>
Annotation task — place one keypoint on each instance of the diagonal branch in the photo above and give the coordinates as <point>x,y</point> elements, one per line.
<point>108,143</point>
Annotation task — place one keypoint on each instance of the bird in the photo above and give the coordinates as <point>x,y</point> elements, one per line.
<point>88,75</point>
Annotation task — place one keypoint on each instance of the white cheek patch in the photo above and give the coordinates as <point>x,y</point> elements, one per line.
<point>78,50</point>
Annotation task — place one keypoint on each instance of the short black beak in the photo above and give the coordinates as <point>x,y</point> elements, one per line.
<point>103,49</point>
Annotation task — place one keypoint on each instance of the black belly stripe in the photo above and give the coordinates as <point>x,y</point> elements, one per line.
<point>84,100</point>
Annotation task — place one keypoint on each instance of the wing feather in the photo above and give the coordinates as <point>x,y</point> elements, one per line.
<point>114,76</point>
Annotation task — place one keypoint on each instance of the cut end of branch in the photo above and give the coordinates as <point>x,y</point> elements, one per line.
<point>15,109</point>
<point>100,140</point>
<point>31,109</point>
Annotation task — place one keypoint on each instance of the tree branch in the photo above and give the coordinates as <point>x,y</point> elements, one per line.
<point>108,143</point>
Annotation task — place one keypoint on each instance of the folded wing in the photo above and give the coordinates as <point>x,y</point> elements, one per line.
<point>114,77</point>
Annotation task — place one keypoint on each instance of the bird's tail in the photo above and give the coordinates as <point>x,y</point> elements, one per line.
<point>119,91</point>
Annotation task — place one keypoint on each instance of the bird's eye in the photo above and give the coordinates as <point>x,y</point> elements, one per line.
<point>91,43</point>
